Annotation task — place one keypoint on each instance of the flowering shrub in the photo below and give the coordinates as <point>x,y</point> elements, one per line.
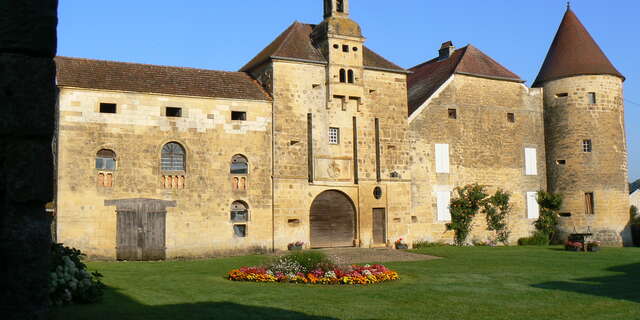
<point>353,274</point>
<point>573,245</point>
<point>69,281</point>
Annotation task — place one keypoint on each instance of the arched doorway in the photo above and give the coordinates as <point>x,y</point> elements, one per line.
<point>333,220</point>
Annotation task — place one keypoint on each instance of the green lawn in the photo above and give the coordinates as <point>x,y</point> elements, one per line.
<point>470,283</point>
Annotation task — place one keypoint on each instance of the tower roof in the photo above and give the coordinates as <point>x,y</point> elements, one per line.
<point>426,78</point>
<point>296,43</point>
<point>574,52</point>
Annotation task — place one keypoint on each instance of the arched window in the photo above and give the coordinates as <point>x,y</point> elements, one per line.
<point>350,76</point>
<point>173,157</point>
<point>239,212</point>
<point>106,160</point>
<point>239,165</point>
<point>343,75</point>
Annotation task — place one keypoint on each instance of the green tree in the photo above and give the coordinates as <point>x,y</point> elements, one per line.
<point>550,204</point>
<point>497,209</point>
<point>464,208</point>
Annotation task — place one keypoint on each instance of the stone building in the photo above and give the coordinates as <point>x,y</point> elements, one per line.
<point>316,139</point>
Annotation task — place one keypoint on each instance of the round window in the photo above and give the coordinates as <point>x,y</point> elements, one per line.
<point>377,192</point>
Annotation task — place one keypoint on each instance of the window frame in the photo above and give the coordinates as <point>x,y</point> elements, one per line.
<point>105,105</point>
<point>334,139</point>
<point>587,146</point>
<point>442,158</point>
<point>589,203</point>
<point>242,115</point>
<point>172,168</point>
<point>114,158</point>
<point>530,161</point>
<point>592,98</point>
<point>168,114</point>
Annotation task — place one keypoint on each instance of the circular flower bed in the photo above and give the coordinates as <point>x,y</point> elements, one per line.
<point>312,267</point>
<point>353,274</point>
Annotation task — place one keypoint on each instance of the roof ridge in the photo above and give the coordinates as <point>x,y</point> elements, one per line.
<point>147,64</point>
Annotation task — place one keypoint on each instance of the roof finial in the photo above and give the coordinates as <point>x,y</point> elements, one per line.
<point>568,5</point>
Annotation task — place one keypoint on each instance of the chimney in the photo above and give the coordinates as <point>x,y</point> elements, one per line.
<point>446,50</point>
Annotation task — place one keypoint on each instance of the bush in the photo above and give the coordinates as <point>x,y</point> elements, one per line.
<point>302,261</point>
<point>550,204</point>
<point>497,209</point>
<point>69,280</point>
<point>427,244</point>
<point>634,216</point>
<point>537,239</point>
<point>463,209</point>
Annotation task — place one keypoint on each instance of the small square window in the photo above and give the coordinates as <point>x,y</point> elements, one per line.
<point>511,117</point>
<point>592,98</point>
<point>561,162</point>
<point>345,48</point>
<point>238,115</point>
<point>173,112</point>
<point>453,114</point>
<point>334,135</point>
<point>587,146</point>
<point>562,95</point>
<point>240,230</point>
<point>108,108</point>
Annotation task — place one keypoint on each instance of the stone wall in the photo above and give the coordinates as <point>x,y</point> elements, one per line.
<point>570,119</point>
<point>200,223</point>
<point>484,147</point>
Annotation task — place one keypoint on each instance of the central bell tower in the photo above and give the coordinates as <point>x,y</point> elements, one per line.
<point>341,42</point>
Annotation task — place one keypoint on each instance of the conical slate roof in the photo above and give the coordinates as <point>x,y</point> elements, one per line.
<point>574,52</point>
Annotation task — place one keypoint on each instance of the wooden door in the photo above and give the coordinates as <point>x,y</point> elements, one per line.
<point>141,235</point>
<point>379,226</point>
<point>332,219</point>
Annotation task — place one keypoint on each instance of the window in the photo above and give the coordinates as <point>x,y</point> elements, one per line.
<point>350,76</point>
<point>533,209</point>
<point>562,95</point>
<point>442,158</point>
<point>588,203</point>
<point>240,230</point>
<point>345,48</point>
<point>592,97</point>
<point>108,108</point>
<point>238,115</point>
<point>239,165</point>
<point>340,5</point>
<point>561,162</point>
<point>173,157</point>
<point>354,49</point>
<point>106,160</point>
<point>453,114</point>
<point>443,205</point>
<point>239,212</point>
<point>511,117</point>
<point>336,46</point>
<point>530,161</point>
<point>587,146</point>
<point>334,135</point>
<point>173,112</point>
<point>343,76</point>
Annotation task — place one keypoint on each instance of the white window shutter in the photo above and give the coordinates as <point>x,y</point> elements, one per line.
<point>531,161</point>
<point>443,205</point>
<point>533,209</point>
<point>442,158</point>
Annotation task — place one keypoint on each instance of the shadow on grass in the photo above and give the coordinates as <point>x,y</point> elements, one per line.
<point>116,305</point>
<point>623,286</point>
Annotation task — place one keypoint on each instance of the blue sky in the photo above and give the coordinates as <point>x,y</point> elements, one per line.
<point>224,35</point>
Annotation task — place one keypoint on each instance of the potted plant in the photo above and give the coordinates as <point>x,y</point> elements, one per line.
<point>295,245</point>
<point>573,246</point>
<point>593,246</point>
<point>401,245</point>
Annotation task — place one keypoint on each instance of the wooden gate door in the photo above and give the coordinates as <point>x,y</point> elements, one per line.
<point>332,219</point>
<point>379,226</point>
<point>141,235</point>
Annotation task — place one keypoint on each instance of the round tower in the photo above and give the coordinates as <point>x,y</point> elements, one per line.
<point>585,136</point>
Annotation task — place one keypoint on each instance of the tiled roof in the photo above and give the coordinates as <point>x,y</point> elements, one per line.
<point>110,75</point>
<point>296,43</point>
<point>574,52</point>
<point>426,78</point>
